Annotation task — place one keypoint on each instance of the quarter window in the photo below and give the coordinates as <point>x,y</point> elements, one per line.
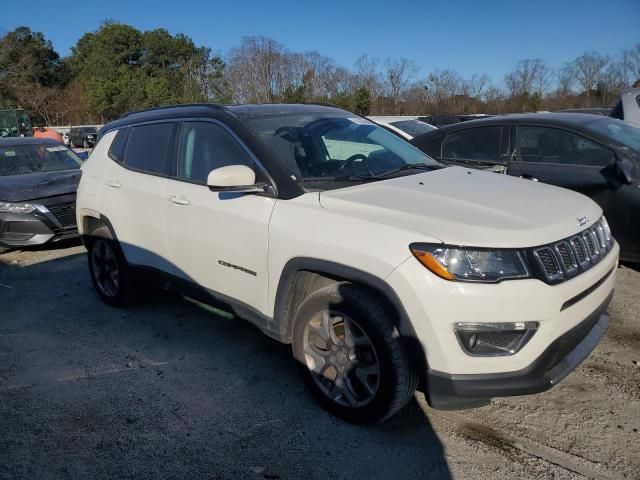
<point>552,145</point>
<point>481,144</point>
<point>206,146</point>
<point>148,147</point>
<point>119,144</point>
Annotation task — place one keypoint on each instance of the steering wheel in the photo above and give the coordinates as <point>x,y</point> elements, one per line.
<point>354,158</point>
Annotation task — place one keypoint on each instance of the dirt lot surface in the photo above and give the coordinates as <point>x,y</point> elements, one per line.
<point>168,389</point>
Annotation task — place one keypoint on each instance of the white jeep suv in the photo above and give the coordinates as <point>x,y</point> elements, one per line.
<point>385,271</point>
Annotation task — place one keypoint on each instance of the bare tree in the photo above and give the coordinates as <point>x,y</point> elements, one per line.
<point>398,75</point>
<point>259,70</point>
<point>628,67</point>
<point>367,75</point>
<point>443,87</point>
<point>529,76</point>
<point>587,70</point>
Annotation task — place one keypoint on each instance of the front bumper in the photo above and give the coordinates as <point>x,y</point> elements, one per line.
<point>49,223</point>
<point>446,391</point>
<point>451,377</point>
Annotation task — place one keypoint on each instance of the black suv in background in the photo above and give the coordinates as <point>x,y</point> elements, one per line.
<point>595,155</point>
<point>83,137</point>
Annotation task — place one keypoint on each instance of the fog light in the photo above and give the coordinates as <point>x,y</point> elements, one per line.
<point>493,339</point>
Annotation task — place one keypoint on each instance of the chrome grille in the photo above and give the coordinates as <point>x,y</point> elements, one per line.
<point>569,257</point>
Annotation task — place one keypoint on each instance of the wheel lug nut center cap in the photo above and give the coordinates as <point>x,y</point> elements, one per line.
<point>342,357</point>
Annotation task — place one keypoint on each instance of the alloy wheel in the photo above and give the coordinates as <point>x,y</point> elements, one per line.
<point>341,358</point>
<point>105,268</point>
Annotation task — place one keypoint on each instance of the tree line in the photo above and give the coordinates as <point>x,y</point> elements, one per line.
<point>119,68</point>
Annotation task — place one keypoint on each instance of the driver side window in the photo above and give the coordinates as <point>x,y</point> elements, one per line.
<point>205,146</point>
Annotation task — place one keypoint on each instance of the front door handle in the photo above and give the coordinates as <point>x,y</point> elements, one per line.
<point>529,177</point>
<point>114,184</point>
<point>178,199</point>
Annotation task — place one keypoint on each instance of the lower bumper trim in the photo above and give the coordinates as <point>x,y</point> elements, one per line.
<point>448,392</point>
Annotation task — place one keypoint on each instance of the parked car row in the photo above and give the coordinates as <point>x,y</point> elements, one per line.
<point>330,232</point>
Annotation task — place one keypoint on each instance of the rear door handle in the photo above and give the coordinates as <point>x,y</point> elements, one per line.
<point>529,177</point>
<point>114,184</point>
<point>178,200</point>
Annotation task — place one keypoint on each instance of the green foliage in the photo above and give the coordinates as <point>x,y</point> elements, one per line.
<point>362,101</point>
<point>124,69</point>
<point>293,94</point>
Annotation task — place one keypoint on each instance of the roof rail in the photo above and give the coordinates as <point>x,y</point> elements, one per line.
<point>210,105</point>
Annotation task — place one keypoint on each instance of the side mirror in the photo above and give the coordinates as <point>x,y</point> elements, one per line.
<point>626,170</point>
<point>234,178</point>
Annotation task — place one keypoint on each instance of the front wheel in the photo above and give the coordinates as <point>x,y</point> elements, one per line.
<point>350,355</point>
<point>110,274</point>
<point>85,144</point>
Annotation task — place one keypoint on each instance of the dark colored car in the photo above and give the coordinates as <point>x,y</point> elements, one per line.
<point>83,137</point>
<point>592,154</point>
<point>444,120</point>
<point>38,183</point>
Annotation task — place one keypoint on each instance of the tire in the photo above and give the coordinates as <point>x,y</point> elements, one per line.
<point>111,276</point>
<point>85,144</point>
<point>71,144</point>
<point>358,392</point>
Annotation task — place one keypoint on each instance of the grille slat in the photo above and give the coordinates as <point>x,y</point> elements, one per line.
<point>65,213</point>
<point>567,257</point>
<point>549,263</point>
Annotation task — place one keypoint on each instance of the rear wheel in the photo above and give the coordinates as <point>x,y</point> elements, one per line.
<point>110,274</point>
<point>350,355</point>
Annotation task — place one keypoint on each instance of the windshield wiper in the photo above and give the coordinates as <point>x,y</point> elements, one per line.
<point>409,166</point>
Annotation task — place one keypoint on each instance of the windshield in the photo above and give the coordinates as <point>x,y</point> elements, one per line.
<point>36,158</point>
<point>413,127</point>
<point>318,148</point>
<point>622,132</point>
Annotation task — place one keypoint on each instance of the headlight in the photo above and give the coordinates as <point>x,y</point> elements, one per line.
<point>470,264</point>
<point>16,207</point>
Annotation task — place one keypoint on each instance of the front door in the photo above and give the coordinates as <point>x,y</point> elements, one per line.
<point>217,240</point>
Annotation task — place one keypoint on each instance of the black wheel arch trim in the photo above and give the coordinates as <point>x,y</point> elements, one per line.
<point>283,314</point>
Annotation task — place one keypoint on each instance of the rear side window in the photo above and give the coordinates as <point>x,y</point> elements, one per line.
<point>148,147</point>
<point>119,144</point>
<point>481,144</point>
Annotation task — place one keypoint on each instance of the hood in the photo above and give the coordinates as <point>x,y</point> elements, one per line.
<point>468,207</point>
<point>22,188</point>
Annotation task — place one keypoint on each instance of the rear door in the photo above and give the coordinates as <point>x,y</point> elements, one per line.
<point>567,159</point>
<point>133,197</point>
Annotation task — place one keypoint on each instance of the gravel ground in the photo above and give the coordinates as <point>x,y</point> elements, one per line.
<point>169,389</point>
